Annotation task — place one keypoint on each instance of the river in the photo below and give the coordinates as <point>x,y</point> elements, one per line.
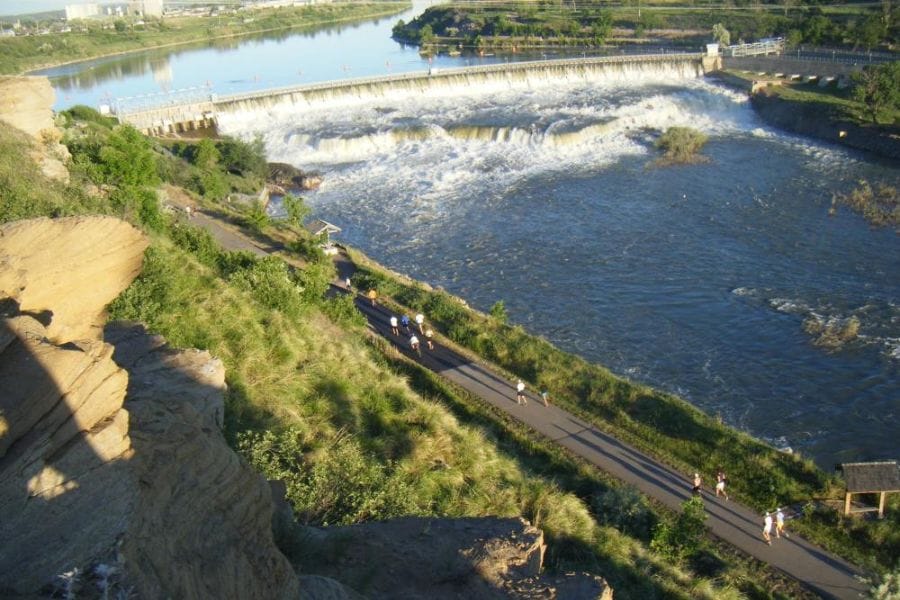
<point>702,280</point>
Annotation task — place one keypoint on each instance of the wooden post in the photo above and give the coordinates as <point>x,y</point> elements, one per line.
<point>847,504</point>
<point>881,504</point>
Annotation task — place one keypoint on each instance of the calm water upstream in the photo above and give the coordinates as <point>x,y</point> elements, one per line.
<point>695,279</point>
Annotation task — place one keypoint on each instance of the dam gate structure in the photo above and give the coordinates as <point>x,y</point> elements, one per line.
<point>199,108</point>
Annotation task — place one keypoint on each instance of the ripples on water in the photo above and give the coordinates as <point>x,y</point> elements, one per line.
<point>696,279</point>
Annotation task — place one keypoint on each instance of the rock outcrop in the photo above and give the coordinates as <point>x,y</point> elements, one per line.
<point>290,177</point>
<point>113,471</point>
<point>417,557</point>
<point>68,270</point>
<point>27,104</point>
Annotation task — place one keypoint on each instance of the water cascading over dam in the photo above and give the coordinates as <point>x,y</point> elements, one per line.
<point>435,83</point>
<point>500,77</point>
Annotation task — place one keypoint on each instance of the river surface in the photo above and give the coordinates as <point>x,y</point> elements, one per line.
<point>701,280</point>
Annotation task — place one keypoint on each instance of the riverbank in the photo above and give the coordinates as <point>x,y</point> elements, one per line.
<point>20,55</point>
<point>813,111</point>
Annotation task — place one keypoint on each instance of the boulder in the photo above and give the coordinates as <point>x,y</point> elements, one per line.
<point>290,177</point>
<point>413,557</point>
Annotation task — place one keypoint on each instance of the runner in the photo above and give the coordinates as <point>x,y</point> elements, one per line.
<point>720,484</point>
<point>394,328</point>
<point>404,320</point>
<point>767,528</point>
<point>420,320</point>
<point>349,284</point>
<point>697,484</point>
<point>545,397</point>
<point>372,295</point>
<point>414,344</point>
<point>779,524</point>
<point>520,393</point>
<point>428,335</point>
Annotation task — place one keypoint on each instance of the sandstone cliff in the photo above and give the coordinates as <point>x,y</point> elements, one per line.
<point>27,104</point>
<point>113,470</point>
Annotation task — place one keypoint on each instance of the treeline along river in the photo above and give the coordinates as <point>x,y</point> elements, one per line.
<point>704,280</point>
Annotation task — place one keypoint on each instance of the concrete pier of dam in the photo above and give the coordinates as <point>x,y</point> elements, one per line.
<point>203,112</point>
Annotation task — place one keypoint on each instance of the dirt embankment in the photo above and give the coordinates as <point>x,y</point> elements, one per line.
<point>821,122</point>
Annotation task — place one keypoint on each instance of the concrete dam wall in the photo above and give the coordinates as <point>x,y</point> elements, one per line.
<point>443,82</point>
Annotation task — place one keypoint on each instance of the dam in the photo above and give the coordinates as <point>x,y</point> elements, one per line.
<point>202,109</point>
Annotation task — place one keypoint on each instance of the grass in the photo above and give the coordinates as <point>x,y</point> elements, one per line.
<point>25,53</point>
<point>660,424</point>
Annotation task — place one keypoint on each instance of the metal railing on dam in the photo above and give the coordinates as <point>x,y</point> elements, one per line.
<point>199,113</point>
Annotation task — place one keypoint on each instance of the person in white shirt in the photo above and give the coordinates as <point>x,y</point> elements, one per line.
<point>420,320</point>
<point>520,393</point>
<point>779,523</point>
<point>414,344</point>
<point>428,335</point>
<point>767,528</point>
<point>394,329</point>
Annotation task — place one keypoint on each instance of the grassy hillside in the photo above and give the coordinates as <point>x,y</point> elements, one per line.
<point>88,39</point>
<point>358,432</point>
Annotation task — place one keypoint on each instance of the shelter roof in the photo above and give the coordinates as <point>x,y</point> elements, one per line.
<point>883,476</point>
<point>318,227</point>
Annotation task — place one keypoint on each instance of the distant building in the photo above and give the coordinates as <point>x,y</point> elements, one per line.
<point>146,8</point>
<point>82,11</point>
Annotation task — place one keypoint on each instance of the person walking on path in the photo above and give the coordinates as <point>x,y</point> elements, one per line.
<point>545,397</point>
<point>394,329</point>
<point>720,484</point>
<point>698,482</point>
<point>429,334</point>
<point>414,344</point>
<point>520,393</point>
<point>404,320</point>
<point>372,295</point>
<point>420,321</point>
<point>779,523</point>
<point>767,528</point>
<point>349,284</point>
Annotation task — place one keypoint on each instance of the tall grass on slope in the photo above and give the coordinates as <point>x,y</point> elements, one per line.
<point>312,403</point>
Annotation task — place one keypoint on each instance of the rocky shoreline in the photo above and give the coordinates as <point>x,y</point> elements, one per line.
<point>816,120</point>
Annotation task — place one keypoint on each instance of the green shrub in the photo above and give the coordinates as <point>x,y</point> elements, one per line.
<point>270,282</point>
<point>337,487</point>
<point>684,535</point>
<point>681,144</point>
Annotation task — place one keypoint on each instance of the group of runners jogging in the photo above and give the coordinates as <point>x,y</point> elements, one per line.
<point>414,343</point>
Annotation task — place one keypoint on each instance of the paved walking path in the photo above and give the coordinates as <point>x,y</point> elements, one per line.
<point>817,569</point>
<point>822,572</point>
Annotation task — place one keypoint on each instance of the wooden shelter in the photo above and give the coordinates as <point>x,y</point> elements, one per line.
<point>879,478</point>
<point>318,227</point>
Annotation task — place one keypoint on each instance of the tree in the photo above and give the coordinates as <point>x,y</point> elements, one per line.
<point>426,35</point>
<point>816,29</point>
<point>878,87</point>
<point>869,33</point>
<point>721,35</point>
<point>207,155</point>
<point>296,209</point>
<point>128,159</point>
